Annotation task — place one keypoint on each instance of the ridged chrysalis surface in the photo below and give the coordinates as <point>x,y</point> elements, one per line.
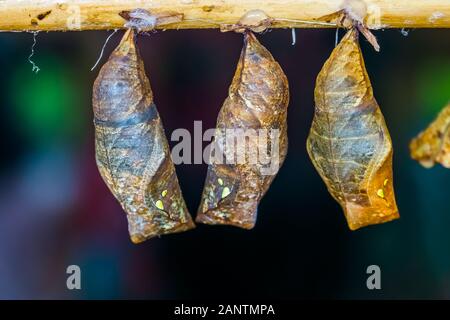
<point>132,152</point>
<point>433,144</point>
<point>257,100</point>
<point>349,143</point>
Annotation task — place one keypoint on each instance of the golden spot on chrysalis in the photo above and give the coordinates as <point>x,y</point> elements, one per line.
<point>385,182</point>
<point>380,193</point>
<point>220,181</point>
<point>164,193</point>
<point>225,192</point>
<point>159,205</point>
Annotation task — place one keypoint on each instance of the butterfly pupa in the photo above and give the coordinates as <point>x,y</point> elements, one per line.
<point>132,151</point>
<point>256,104</point>
<point>349,143</point>
<point>433,144</point>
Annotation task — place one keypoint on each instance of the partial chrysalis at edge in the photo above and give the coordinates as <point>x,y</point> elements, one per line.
<point>349,143</point>
<point>132,151</point>
<point>433,144</point>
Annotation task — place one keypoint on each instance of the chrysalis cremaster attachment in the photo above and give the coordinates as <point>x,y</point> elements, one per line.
<point>433,144</point>
<point>349,143</point>
<point>256,105</point>
<point>132,152</point>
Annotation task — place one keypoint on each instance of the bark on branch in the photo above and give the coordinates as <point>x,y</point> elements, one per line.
<point>64,15</point>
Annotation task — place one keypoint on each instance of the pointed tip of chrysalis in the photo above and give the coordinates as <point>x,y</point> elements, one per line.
<point>128,36</point>
<point>249,37</point>
<point>352,34</point>
<point>252,45</point>
<point>127,45</point>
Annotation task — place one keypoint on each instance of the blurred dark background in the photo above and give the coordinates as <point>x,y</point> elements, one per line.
<point>56,211</point>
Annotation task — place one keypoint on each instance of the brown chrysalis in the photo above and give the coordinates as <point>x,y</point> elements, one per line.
<point>433,144</point>
<point>132,152</point>
<point>256,104</point>
<point>349,143</point>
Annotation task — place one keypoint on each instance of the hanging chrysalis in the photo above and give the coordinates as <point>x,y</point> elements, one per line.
<point>349,143</point>
<point>433,144</point>
<point>254,114</point>
<point>132,152</point>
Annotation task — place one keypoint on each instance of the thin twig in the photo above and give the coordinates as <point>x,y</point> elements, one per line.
<point>319,23</point>
<point>103,49</point>
<point>35,68</point>
<point>336,39</point>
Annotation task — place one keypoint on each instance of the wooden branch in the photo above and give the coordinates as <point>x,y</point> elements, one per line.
<point>63,15</point>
